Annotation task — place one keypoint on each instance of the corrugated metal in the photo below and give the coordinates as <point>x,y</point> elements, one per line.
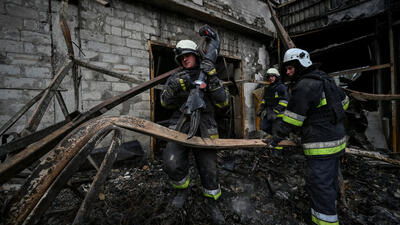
<point>300,16</point>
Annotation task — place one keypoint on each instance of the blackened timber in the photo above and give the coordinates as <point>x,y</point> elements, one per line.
<point>369,96</point>
<point>360,69</point>
<point>67,36</point>
<point>107,72</point>
<point>33,152</point>
<point>329,47</point>
<point>62,104</point>
<point>21,143</point>
<point>287,41</point>
<point>44,102</point>
<point>21,112</point>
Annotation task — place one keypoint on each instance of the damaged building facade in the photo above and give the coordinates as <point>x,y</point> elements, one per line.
<point>358,42</point>
<point>133,38</point>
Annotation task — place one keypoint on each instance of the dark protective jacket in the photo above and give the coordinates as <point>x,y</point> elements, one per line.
<point>215,95</point>
<point>317,106</point>
<point>275,98</point>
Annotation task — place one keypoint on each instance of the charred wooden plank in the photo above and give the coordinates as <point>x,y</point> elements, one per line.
<point>101,176</point>
<point>360,69</point>
<point>21,112</point>
<point>37,115</point>
<point>369,96</point>
<point>287,41</point>
<point>33,152</point>
<point>107,72</point>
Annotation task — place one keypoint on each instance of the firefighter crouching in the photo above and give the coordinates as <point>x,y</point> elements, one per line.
<point>175,156</point>
<point>274,101</point>
<point>317,107</point>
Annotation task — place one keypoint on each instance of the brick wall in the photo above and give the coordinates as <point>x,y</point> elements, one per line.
<point>32,49</point>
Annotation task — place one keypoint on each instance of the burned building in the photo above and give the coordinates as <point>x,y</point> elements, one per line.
<point>132,38</point>
<point>67,63</point>
<point>358,40</point>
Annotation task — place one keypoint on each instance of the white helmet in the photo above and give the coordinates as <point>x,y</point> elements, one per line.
<point>272,71</point>
<point>184,47</point>
<point>297,54</point>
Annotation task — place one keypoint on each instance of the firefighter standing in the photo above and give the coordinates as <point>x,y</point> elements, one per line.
<point>175,156</point>
<point>317,107</point>
<point>274,101</point>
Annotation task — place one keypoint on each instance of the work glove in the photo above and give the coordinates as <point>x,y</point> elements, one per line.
<point>271,115</point>
<point>273,142</point>
<point>208,67</point>
<point>177,84</point>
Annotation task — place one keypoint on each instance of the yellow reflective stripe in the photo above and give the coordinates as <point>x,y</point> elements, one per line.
<point>321,222</point>
<point>322,102</point>
<point>276,111</point>
<point>263,102</point>
<point>292,121</point>
<point>183,186</point>
<point>278,147</point>
<point>283,104</point>
<point>276,95</point>
<point>214,136</point>
<point>279,115</point>
<point>346,106</point>
<point>212,71</point>
<point>325,151</point>
<point>215,197</point>
<point>222,105</point>
<point>182,84</point>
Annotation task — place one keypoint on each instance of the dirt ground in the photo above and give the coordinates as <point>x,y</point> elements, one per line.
<point>138,192</point>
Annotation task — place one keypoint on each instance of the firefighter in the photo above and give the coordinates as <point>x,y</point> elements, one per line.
<point>175,156</point>
<point>274,101</point>
<point>317,106</point>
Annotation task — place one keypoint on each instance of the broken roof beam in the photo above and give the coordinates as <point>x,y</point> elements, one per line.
<point>104,3</point>
<point>107,72</point>
<point>330,47</point>
<point>369,96</point>
<point>44,102</point>
<point>33,152</point>
<point>284,36</point>
<point>360,69</point>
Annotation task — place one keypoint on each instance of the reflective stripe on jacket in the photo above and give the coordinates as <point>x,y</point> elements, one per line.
<point>309,110</point>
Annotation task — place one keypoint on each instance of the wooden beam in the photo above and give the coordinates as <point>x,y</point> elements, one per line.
<point>44,102</point>
<point>287,42</point>
<point>62,104</point>
<point>329,47</point>
<point>107,72</point>
<point>393,81</point>
<point>21,112</point>
<point>369,96</point>
<point>360,69</point>
<point>33,152</point>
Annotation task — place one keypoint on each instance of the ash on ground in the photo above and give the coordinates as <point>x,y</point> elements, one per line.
<point>258,187</point>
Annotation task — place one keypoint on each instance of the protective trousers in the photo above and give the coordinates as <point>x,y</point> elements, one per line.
<point>176,161</point>
<point>322,186</point>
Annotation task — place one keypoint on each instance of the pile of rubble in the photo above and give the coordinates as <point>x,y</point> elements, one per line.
<point>258,187</point>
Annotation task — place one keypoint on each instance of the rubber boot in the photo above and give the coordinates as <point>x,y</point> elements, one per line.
<point>216,215</point>
<point>180,198</point>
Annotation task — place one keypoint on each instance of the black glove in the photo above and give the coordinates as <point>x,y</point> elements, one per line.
<point>273,142</point>
<point>271,115</point>
<point>180,84</point>
<point>208,67</point>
